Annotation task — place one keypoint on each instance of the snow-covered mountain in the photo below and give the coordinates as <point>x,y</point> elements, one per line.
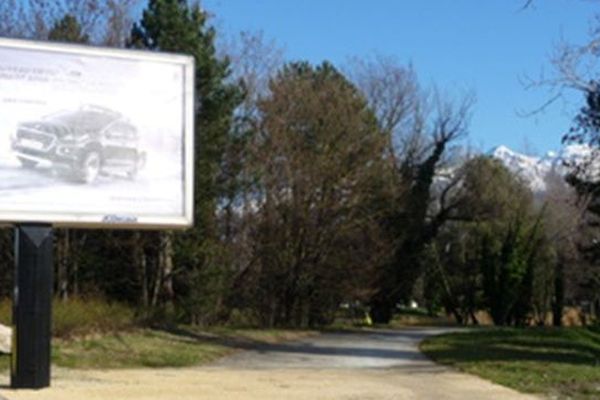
<point>534,170</point>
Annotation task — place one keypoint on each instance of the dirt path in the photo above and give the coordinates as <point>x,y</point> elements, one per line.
<point>350,366</point>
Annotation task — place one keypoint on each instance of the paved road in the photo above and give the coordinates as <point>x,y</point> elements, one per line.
<point>374,365</point>
<point>361,350</point>
<point>390,359</point>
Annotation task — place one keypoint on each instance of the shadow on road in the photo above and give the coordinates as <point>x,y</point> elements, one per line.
<point>356,349</point>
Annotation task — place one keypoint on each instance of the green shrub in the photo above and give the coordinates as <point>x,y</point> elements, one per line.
<point>5,312</point>
<point>242,318</point>
<point>78,316</point>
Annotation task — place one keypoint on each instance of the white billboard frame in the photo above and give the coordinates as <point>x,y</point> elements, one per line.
<point>120,220</point>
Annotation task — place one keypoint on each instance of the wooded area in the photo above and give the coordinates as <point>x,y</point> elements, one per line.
<point>317,186</point>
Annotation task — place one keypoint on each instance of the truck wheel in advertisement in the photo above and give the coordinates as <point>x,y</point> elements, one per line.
<point>90,167</point>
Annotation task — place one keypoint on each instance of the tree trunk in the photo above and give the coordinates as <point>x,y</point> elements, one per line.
<point>166,268</point>
<point>559,293</point>
<point>474,319</point>
<point>457,316</point>
<point>62,275</point>
<point>382,311</point>
<point>77,239</point>
<point>141,265</point>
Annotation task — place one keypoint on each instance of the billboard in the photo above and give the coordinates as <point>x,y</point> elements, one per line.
<point>95,137</point>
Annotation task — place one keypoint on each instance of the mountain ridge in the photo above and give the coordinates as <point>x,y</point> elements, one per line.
<point>534,170</point>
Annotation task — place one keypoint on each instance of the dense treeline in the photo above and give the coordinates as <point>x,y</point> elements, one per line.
<point>316,187</point>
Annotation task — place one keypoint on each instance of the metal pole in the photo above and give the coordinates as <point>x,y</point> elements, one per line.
<point>32,306</point>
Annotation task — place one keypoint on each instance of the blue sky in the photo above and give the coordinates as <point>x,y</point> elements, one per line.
<point>481,45</point>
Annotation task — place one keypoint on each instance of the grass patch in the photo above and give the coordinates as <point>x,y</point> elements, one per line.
<point>254,335</point>
<point>79,316</point>
<point>180,347</point>
<point>415,319</point>
<point>353,318</point>
<point>91,333</point>
<point>145,348</point>
<point>5,312</point>
<point>563,363</point>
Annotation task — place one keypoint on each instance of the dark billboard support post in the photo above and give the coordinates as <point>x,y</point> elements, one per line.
<point>32,307</point>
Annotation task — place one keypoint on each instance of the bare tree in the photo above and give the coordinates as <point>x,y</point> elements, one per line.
<point>419,127</point>
<point>394,94</point>
<point>318,162</point>
<point>104,22</point>
<point>423,203</point>
<point>575,68</point>
<point>254,61</point>
<point>564,223</point>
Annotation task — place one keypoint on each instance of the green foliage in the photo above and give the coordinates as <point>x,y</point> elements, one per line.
<point>489,256</point>
<point>321,194</point>
<point>508,238</point>
<point>584,178</point>
<point>412,219</point>
<point>67,29</point>
<point>559,363</point>
<point>491,192</point>
<point>207,289</point>
<point>507,262</point>
<point>175,26</point>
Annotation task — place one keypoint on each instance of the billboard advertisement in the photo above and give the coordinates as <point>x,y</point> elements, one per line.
<point>95,137</point>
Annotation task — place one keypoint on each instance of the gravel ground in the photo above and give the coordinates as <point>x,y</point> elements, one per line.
<point>337,366</point>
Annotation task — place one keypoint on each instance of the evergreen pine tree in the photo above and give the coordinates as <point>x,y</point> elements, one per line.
<point>175,26</point>
<point>67,29</point>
